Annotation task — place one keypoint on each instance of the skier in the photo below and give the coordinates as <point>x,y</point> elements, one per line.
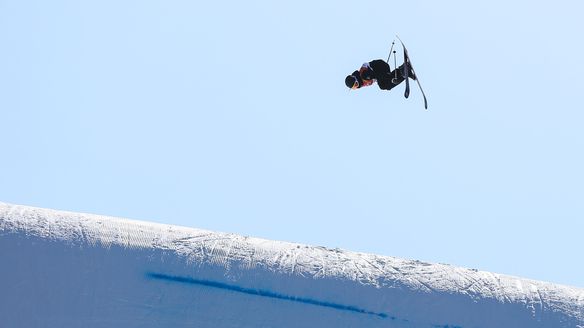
<point>378,71</point>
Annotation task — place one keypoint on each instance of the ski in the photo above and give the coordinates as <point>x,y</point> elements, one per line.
<point>406,73</point>
<point>408,63</point>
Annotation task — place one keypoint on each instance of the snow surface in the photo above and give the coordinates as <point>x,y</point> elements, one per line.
<point>62,269</point>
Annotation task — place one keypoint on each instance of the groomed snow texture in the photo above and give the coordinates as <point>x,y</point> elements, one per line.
<point>61,269</point>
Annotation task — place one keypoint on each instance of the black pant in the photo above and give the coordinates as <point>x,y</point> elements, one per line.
<point>386,79</point>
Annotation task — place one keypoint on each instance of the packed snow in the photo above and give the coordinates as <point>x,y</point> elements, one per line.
<point>62,269</point>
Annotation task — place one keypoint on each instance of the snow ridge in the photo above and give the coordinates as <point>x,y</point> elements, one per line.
<point>139,274</point>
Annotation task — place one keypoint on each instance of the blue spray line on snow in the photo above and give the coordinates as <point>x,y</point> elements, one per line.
<point>264,293</point>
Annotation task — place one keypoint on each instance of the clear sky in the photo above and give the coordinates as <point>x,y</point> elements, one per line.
<point>233,116</point>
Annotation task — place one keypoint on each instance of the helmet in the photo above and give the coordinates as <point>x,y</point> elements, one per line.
<point>350,81</point>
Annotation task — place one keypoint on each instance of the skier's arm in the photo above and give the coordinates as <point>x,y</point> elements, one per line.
<point>366,72</point>
<point>367,75</point>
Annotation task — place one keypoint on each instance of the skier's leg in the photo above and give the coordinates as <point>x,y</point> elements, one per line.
<point>411,74</point>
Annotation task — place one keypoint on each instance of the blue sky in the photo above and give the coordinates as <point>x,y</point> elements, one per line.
<point>233,116</point>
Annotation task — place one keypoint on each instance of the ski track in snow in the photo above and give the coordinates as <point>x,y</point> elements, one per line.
<point>262,293</point>
<point>394,292</point>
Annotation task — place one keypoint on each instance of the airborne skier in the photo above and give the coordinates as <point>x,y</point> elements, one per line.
<point>378,70</point>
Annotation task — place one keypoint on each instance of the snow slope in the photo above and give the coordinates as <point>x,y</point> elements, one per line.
<point>61,269</point>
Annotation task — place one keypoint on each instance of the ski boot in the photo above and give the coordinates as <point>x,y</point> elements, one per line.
<point>411,74</point>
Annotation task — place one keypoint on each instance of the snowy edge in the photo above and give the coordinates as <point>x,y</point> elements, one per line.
<point>286,258</point>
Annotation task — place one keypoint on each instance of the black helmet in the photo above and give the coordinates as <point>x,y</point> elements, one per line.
<point>350,81</point>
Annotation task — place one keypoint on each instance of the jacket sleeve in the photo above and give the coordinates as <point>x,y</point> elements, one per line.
<point>366,72</point>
